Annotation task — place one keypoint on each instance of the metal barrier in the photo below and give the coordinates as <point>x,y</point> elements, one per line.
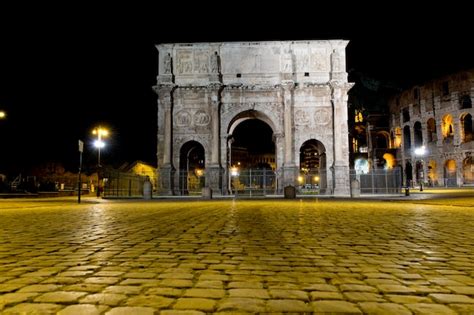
<point>120,184</point>
<point>253,183</point>
<point>379,181</point>
<point>311,183</point>
<point>190,183</point>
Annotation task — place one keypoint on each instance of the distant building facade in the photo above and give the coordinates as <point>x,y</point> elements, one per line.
<point>143,169</point>
<point>371,146</point>
<point>242,158</point>
<point>298,88</point>
<point>432,127</point>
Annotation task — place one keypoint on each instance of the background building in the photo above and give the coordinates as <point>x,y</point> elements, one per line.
<point>371,145</point>
<point>431,124</point>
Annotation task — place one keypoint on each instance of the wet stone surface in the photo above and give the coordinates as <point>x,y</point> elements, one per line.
<point>278,256</point>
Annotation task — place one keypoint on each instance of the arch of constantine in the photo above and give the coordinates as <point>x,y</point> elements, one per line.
<point>298,88</point>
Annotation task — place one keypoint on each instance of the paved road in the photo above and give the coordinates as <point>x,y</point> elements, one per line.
<point>162,257</point>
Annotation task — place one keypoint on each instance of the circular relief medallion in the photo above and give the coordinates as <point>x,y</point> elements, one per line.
<point>301,117</point>
<point>201,118</point>
<point>322,116</point>
<point>183,118</point>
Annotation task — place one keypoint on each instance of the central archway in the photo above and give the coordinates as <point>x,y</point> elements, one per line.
<point>252,159</point>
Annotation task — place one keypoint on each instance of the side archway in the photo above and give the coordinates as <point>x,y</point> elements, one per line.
<point>191,167</point>
<point>466,128</point>
<point>468,170</point>
<point>406,139</point>
<point>450,170</point>
<point>313,165</point>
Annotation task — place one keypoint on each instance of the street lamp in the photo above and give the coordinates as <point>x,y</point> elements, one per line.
<point>316,180</point>
<point>421,151</point>
<point>3,114</point>
<point>99,144</point>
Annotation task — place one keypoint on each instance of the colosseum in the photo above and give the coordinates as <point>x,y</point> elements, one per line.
<point>431,124</point>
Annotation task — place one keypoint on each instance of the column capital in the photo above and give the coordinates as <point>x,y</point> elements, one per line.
<point>215,90</point>
<point>337,84</point>
<point>165,93</point>
<point>163,89</point>
<point>288,85</point>
<point>278,136</point>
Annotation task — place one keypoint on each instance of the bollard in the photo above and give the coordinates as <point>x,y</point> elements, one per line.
<point>147,189</point>
<point>206,193</point>
<point>355,189</point>
<point>289,192</point>
<point>407,191</point>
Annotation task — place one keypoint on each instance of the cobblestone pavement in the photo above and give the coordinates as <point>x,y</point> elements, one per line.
<point>278,256</point>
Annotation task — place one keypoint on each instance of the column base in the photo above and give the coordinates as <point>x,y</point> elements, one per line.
<point>167,173</point>
<point>290,176</point>
<point>214,178</point>
<point>341,181</point>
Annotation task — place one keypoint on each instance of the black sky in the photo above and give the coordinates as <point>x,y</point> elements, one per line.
<point>64,70</point>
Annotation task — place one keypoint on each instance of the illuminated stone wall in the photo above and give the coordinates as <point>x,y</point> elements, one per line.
<point>444,109</point>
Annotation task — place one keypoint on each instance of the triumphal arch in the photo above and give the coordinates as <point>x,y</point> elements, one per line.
<point>298,88</point>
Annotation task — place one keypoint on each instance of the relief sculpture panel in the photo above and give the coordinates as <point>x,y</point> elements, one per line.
<point>184,61</point>
<point>200,62</point>
<point>319,61</point>
<point>302,117</point>
<point>322,116</point>
<point>182,118</point>
<point>201,118</point>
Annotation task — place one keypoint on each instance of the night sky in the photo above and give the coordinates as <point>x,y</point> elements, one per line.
<point>64,72</point>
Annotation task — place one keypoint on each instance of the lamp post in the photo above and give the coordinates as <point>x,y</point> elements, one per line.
<point>421,151</point>
<point>99,132</point>
<point>99,144</point>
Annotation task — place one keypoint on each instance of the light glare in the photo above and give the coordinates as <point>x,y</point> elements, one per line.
<point>99,144</point>
<point>420,151</point>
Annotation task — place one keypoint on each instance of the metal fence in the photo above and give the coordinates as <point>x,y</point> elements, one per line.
<point>190,183</point>
<point>379,181</point>
<point>312,183</point>
<point>253,183</point>
<point>120,184</point>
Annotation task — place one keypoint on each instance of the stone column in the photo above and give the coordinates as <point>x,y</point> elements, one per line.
<point>278,139</point>
<point>166,169</point>
<point>214,169</point>
<point>290,171</point>
<point>340,168</point>
<point>439,132</point>
<point>457,139</point>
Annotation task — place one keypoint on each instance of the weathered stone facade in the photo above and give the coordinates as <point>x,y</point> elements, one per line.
<point>299,88</point>
<point>438,116</point>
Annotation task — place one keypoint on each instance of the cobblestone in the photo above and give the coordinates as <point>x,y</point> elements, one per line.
<point>60,297</point>
<point>242,304</point>
<point>195,304</point>
<point>82,309</point>
<point>181,258</point>
<point>104,298</point>
<point>384,308</point>
<point>33,308</point>
<point>13,298</point>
